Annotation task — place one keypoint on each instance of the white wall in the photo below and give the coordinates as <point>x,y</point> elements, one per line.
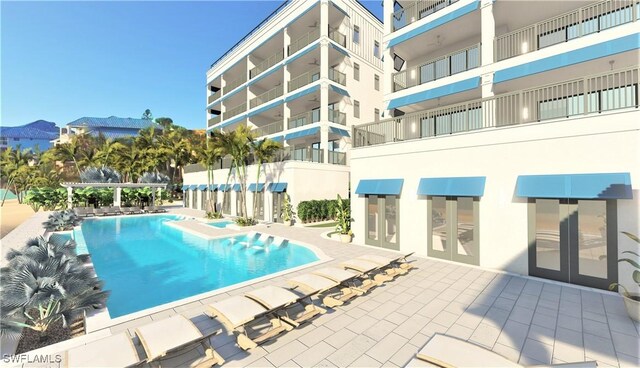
<point>592,144</point>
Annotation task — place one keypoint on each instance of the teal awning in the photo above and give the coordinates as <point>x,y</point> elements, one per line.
<point>224,187</point>
<point>380,186</point>
<point>202,187</point>
<point>339,131</point>
<point>213,187</point>
<point>277,187</point>
<point>193,187</point>
<point>185,187</point>
<point>340,90</point>
<point>340,49</point>
<point>302,133</point>
<point>277,139</point>
<point>253,186</point>
<point>469,186</point>
<point>579,186</point>
<point>302,93</point>
<point>237,187</point>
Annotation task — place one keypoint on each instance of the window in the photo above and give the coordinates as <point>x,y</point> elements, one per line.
<point>356,71</point>
<point>376,82</point>
<point>376,49</point>
<point>356,109</point>
<point>356,34</point>
<point>3,140</point>
<point>453,229</point>
<point>376,115</point>
<point>382,221</point>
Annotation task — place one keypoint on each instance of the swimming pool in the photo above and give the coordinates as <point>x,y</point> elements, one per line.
<point>220,224</point>
<point>146,263</point>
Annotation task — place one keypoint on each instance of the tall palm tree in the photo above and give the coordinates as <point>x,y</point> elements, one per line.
<point>108,148</point>
<point>223,141</point>
<point>69,151</point>
<point>241,152</point>
<point>263,151</point>
<point>208,157</point>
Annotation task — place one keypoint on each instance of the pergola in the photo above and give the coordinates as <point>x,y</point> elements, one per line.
<point>116,193</point>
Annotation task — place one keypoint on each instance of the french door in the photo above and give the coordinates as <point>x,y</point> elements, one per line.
<point>382,221</point>
<point>453,229</point>
<point>574,241</point>
<point>278,199</point>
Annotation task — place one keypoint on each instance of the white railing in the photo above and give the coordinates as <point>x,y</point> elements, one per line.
<point>303,41</point>
<point>235,111</point>
<point>303,119</point>
<point>416,11</point>
<point>337,117</point>
<point>565,27</point>
<point>303,79</point>
<point>271,128</point>
<point>267,96</point>
<point>266,64</point>
<point>337,76</point>
<point>214,96</point>
<point>234,84</point>
<point>592,94</point>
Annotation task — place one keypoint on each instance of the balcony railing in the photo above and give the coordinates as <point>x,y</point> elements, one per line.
<point>303,41</point>
<point>271,128</point>
<point>234,84</point>
<point>337,76</point>
<point>303,119</point>
<point>589,95</point>
<point>266,64</point>
<point>338,37</point>
<point>443,66</point>
<point>337,158</point>
<point>303,79</point>
<point>235,111</point>
<point>416,11</point>
<point>213,121</point>
<point>337,117</point>
<point>267,96</point>
<point>562,28</point>
<point>216,95</point>
<point>307,154</point>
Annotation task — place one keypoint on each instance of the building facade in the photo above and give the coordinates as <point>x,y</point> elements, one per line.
<point>111,127</point>
<point>33,136</point>
<point>513,141</point>
<point>303,77</point>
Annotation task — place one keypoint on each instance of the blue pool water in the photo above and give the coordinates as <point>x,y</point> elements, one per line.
<point>220,224</point>
<point>146,263</point>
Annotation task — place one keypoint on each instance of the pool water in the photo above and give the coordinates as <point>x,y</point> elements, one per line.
<point>145,262</point>
<point>220,224</point>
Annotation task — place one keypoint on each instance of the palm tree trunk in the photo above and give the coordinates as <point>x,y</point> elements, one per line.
<point>255,193</point>
<point>4,195</point>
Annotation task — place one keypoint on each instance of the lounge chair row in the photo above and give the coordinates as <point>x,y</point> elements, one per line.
<point>112,211</point>
<point>262,314</point>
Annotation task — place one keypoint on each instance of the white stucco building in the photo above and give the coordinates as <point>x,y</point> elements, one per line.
<point>303,77</point>
<point>513,141</point>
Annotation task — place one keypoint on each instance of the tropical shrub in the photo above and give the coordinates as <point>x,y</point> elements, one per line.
<point>62,220</point>
<point>635,275</point>
<point>214,215</point>
<point>319,210</point>
<point>135,196</point>
<point>46,198</point>
<point>245,221</point>
<point>104,196</point>
<point>102,174</point>
<point>153,177</point>
<point>287,208</point>
<point>343,217</point>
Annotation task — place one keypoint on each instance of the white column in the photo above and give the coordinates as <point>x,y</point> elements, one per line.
<point>324,120</point>
<point>488,31</point>
<point>324,19</point>
<point>286,112</point>
<point>153,196</point>
<point>117,196</point>
<point>69,197</point>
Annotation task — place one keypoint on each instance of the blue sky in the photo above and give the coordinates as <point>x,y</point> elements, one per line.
<point>64,60</point>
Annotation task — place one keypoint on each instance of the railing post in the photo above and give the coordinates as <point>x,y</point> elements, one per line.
<point>585,92</point>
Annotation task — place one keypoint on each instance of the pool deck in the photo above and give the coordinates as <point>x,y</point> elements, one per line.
<point>531,321</point>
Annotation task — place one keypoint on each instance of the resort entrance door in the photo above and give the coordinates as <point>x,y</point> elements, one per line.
<point>382,221</point>
<point>278,200</point>
<point>574,241</point>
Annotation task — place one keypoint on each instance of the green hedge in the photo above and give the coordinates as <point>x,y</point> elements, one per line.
<point>318,210</point>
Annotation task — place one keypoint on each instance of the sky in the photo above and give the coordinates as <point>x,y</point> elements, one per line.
<point>64,60</point>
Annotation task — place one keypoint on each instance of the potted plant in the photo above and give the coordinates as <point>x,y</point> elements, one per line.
<point>287,210</point>
<point>631,300</point>
<point>343,219</point>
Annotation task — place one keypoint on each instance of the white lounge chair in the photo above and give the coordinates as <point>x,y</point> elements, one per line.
<point>113,351</point>
<point>367,267</point>
<point>322,286</point>
<point>392,266</point>
<point>350,279</point>
<point>284,302</point>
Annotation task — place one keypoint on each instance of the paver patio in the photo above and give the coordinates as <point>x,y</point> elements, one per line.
<point>527,320</point>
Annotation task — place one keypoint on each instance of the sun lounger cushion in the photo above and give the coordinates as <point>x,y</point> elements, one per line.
<point>273,297</point>
<point>313,283</point>
<point>162,336</point>
<point>113,351</point>
<point>460,353</point>
<point>360,265</point>
<point>335,274</point>
<point>237,310</point>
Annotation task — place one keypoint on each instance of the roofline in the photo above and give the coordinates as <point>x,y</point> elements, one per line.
<point>370,12</point>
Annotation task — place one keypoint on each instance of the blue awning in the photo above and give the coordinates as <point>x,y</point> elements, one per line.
<point>237,187</point>
<point>252,187</point>
<point>340,90</point>
<point>213,187</point>
<point>339,131</point>
<point>471,186</point>
<point>380,186</point>
<point>302,93</point>
<point>579,186</point>
<point>224,187</point>
<point>302,133</point>
<point>202,187</point>
<point>340,49</point>
<point>185,187</point>
<point>193,187</point>
<point>266,107</point>
<point>277,139</point>
<point>277,187</point>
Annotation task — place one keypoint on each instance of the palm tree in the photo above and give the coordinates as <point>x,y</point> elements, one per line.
<point>69,151</point>
<point>223,141</point>
<point>208,157</point>
<point>108,148</point>
<point>263,151</point>
<point>17,170</point>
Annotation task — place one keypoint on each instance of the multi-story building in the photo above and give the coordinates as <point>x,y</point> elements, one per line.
<point>303,77</point>
<point>513,137</point>
<point>33,136</point>
<point>111,127</point>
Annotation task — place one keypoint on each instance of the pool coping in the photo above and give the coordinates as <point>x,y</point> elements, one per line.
<point>100,320</point>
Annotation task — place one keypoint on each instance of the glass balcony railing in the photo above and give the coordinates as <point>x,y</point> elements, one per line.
<point>304,79</point>
<point>589,95</point>
<point>266,97</point>
<point>337,117</point>
<point>443,66</point>
<point>303,41</point>
<point>337,158</point>
<point>303,119</point>
<point>337,76</point>
<point>271,128</point>
<point>308,154</point>
<point>266,64</point>
<point>338,37</point>
<point>577,23</point>
<point>234,84</point>
<point>416,11</point>
<point>235,111</point>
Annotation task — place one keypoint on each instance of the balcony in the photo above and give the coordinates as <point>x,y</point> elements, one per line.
<point>443,66</point>
<point>266,64</point>
<point>235,111</point>
<point>303,79</point>
<point>303,119</point>
<point>213,121</point>
<point>338,37</point>
<point>234,84</point>
<point>588,95</point>
<point>303,41</point>
<point>268,129</point>
<point>307,154</point>
<point>337,76</point>
<point>416,11</point>
<point>337,117</point>
<point>583,21</point>
<point>337,158</point>
<point>216,95</point>
<point>271,94</point>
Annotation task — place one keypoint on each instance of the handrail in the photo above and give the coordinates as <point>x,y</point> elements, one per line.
<point>266,64</point>
<point>271,94</point>
<point>216,95</point>
<point>337,158</point>
<point>303,79</point>
<point>234,84</point>
<point>416,11</point>
<point>338,37</point>
<point>303,119</point>
<point>337,76</point>
<point>213,121</point>
<point>235,111</point>
<point>592,94</point>
<point>270,128</point>
<point>292,153</point>
<point>303,41</point>
<point>337,117</point>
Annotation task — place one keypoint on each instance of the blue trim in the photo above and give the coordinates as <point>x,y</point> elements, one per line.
<point>339,131</point>
<point>340,9</point>
<point>252,187</point>
<point>229,122</point>
<point>580,186</point>
<point>193,187</point>
<point>185,187</point>
<point>277,187</point>
<point>266,107</point>
<point>303,13</point>
<point>302,53</point>
<point>237,187</point>
<point>213,187</point>
<point>339,90</point>
<point>340,49</point>
<point>449,89</point>
<point>471,186</point>
<point>277,139</point>
<point>224,187</point>
<point>302,133</point>
<point>380,186</point>
<point>302,93</point>
<point>202,187</point>
<point>435,23</point>
<point>274,69</point>
<point>604,49</point>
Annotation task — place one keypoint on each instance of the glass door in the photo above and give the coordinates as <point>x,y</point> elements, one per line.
<point>453,229</point>
<point>259,205</point>
<point>382,221</point>
<point>277,206</point>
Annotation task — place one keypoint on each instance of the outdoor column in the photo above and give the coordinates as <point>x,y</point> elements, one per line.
<point>387,66</point>
<point>286,113</point>
<point>69,197</point>
<point>324,121</point>
<point>117,196</point>
<point>153,196</point>
<point>324,21</point>
<point>488,32</point>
